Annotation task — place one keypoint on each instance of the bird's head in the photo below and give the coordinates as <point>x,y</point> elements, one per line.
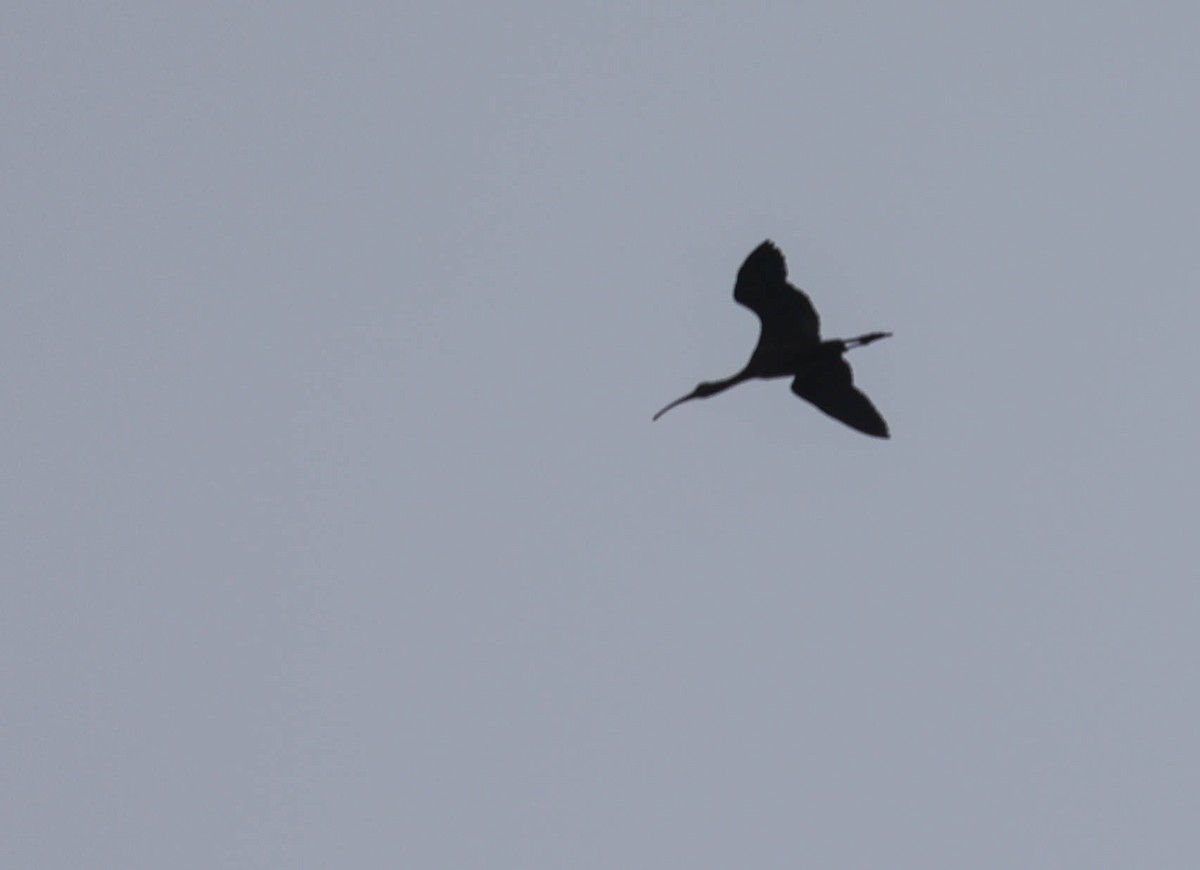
<point>703,391</point>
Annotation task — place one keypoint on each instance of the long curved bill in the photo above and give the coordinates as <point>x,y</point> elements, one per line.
<point>679,401</point>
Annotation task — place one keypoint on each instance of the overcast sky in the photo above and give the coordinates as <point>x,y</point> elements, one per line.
<point>336,530</point>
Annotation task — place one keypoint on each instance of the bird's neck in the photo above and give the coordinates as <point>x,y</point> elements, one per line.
<point>713,387</point>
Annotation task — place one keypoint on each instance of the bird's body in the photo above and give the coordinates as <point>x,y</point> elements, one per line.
<point>790,345</point>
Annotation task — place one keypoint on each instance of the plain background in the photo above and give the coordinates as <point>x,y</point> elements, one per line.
<point>336,532</point>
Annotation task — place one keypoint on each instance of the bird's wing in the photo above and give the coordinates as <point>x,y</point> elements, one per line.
<point>786,313</point>
<point>830,386</point>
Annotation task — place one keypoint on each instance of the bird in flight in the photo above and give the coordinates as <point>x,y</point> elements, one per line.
<point>790,345</point>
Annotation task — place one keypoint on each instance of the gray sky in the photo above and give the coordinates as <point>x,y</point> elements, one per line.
<point>336,529</point>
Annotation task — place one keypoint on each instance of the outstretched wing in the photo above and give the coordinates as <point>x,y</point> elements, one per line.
<point>787,315</point>
<point>830,386</point>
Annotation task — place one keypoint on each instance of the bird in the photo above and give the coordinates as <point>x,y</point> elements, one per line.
<point>790,345</point>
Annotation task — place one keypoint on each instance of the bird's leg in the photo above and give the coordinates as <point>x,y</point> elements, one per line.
<point>864,340</point>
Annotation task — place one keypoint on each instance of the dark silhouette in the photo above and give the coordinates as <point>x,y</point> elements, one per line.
<point>790,345</point>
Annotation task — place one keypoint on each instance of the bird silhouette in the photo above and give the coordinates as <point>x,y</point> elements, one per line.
<point>790,345</point>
